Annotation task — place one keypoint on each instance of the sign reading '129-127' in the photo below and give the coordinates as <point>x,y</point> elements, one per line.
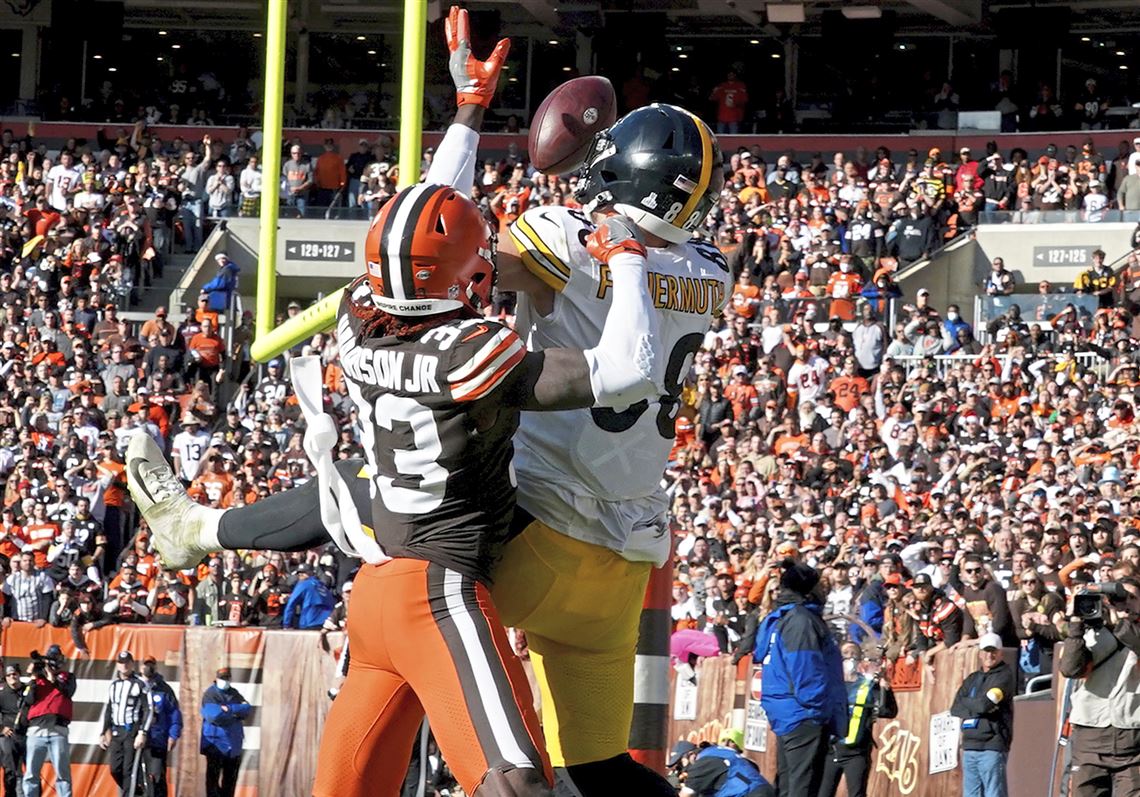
<point>338,251</point>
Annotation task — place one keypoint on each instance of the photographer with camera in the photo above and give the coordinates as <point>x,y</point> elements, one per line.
<point>1102,651</point>
<point>48,701</point>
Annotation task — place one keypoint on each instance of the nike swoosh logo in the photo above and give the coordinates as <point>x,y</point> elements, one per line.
<point>136,477</point>
<point>482,328</point>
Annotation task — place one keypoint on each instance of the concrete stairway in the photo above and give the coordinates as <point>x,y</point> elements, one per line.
<point>158,292</point>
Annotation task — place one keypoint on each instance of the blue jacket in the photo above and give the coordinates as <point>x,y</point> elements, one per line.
<point>222,715</point>
<point>870,611</point>
<point>743,776</point>
<point>165,715</point>
<point>221,287</point>
<point>802,677</point>
<point>950,331</point>
<point>313,600</point>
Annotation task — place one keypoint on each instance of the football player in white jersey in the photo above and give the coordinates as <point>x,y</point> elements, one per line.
<point>590,519</point>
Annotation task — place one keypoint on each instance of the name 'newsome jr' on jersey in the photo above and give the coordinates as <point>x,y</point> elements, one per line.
<point>595,474</point>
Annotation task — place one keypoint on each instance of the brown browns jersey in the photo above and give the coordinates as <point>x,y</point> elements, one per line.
<point>438,410</point>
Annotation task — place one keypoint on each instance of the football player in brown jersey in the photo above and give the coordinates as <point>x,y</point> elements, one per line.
<point>439,389</point>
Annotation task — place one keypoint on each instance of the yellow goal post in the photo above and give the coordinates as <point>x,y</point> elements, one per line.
<point>269,341</point>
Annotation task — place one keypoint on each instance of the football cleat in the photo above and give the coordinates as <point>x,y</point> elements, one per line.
<point>183,530</point>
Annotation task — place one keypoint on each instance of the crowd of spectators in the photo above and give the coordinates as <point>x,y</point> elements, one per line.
<point>119,203</point>
<point>930,496</point>
<point>83,230</point>
<point>940,500</point>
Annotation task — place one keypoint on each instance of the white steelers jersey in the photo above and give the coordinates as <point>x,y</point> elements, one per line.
<point>595,474</point>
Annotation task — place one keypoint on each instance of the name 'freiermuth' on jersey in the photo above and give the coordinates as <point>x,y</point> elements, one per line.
<point>595,474</point>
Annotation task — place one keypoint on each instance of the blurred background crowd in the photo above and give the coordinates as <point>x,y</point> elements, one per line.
<point>941,497</point>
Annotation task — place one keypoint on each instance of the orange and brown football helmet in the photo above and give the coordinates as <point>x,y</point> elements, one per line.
<point>429,250</point>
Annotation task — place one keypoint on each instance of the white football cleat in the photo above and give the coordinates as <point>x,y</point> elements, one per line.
<point>184,530</point>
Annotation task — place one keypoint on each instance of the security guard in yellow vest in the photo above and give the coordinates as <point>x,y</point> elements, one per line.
<point>869,696</point>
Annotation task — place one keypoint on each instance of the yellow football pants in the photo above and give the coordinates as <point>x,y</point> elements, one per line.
<point>580,605</point>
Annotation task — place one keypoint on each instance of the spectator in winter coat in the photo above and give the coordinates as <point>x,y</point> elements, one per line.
<point>221,288</point>
<point>870,340</point>
<point>803,693</point>
<point>712,412</point>
<point>1033,608</point>
<point>952,326</point>
<point>310,603</point>
<point>985,704</point>
<point>916,236</point>
<point>223,710</point>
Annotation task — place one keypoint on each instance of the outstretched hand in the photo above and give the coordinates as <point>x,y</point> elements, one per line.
<point>475,80</point>
<point>614,236</point>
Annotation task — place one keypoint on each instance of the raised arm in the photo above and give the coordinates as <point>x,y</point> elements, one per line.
<point>475,83</point>
<point>622,368</point>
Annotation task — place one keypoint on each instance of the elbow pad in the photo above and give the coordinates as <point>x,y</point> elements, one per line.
<point>618,382</point>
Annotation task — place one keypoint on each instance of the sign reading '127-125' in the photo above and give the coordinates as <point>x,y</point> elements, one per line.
<point>338,251</point>
<point>1063,255</point>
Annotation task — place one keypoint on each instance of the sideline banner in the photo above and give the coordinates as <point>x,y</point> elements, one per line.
<point>916,753</point>
<point>283,729</point>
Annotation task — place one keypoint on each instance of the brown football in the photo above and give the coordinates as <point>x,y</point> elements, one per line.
<point>564,125</point>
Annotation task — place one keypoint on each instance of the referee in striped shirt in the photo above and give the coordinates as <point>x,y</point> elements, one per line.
<point>126,720</point>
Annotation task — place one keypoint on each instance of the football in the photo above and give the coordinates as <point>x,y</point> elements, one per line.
<point>564,125</point>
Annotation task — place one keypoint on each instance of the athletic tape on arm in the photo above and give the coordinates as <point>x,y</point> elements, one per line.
<point>338,511</point>
<point>454,161</point>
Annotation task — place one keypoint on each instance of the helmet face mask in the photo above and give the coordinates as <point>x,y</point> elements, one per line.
<point>660,165</point>
<point>429,251</point>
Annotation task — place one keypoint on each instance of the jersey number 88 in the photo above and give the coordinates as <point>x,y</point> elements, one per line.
<point>675,369</point>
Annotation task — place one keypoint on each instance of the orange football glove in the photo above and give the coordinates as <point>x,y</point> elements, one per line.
<point>617,235</point>
<point>475,80</point>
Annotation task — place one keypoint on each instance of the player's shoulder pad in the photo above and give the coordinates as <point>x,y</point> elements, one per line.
<point>709,252</point>
<point>358,292</point>
<point>551,242</point>
<point>703,252</point>
<point>483,353</point>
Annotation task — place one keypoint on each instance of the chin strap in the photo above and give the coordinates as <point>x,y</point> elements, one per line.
<point>338,511</point>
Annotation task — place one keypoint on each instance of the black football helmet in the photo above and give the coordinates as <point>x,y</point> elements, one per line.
<point>660,165</point>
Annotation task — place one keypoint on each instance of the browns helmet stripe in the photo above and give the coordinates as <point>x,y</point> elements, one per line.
<point>396,238</point>
<point>399,247</point>
<point>397,202</point>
